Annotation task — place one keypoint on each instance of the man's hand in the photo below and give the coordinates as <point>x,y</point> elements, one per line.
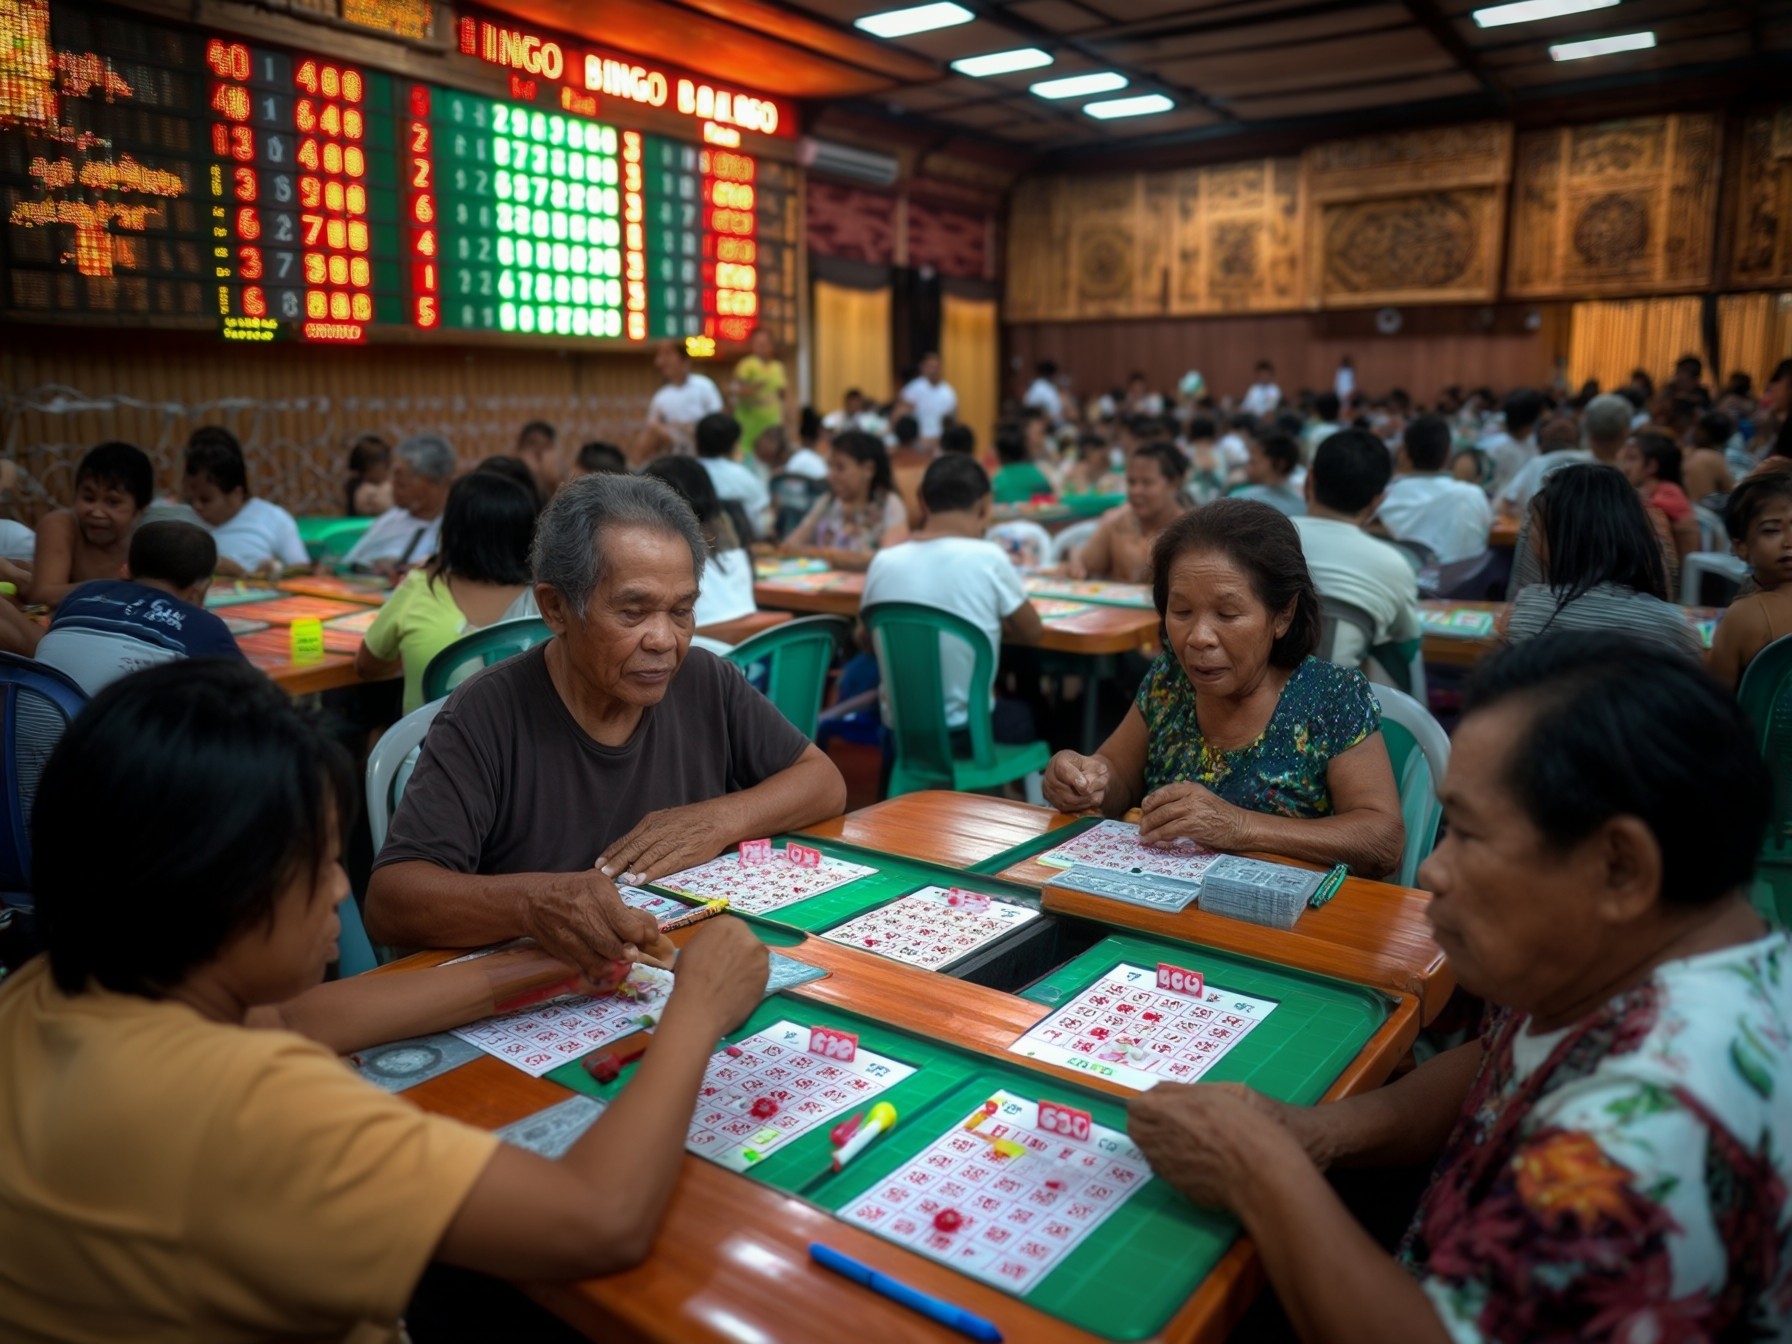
<point>721,974</point>
<point>1187,811</point>
<point>665,842</point>
<point>580,918</point>
<point>1075,783</point>
<point>1208,1139</point>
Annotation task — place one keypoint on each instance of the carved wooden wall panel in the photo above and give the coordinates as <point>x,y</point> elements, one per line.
<point>1036,278</point>
<point>1236,245</point>
<point>1621,207</point>
<point>1761,243</point>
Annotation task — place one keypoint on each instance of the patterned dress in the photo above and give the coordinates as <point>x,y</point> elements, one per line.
<point>1324,711</point>
<point>1625,1178</point>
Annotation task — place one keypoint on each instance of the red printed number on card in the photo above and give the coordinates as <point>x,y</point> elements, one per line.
<point>831,1044</point>
<point>1064,1121</point>
<point>802,856</point>
<point>1179,981</point>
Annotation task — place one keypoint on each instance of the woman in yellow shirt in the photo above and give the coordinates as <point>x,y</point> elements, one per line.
<point>481,568</point>
<point>759,390</point>
<point>183,1156</point>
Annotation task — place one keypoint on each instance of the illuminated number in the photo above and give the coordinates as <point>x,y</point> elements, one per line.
<point>306,76</point>
<point>255,303</point>
<point>329,82</point>
<point>333,195</point>
<point>329,121</point>
<point>227,60</point>
<point>423,210</point>
<point>311,192</point>
<point>339,307</point>
<point>308,153</point>
<point>332,157</point>
<point>420,174</point>
<point>426,312</point>
<point>338,270</point>
<point>248,262</point>
<point>248,223</point>
<point>289,304</point>
<point>354,125</point>
<point>419,137</point>
<point>274,148</point>
<point>245,184</point>
<point>336,234</point>
<point>357,235</point>
<point>357,199</point>
<point>426,243</point>
<point>419,100</point>
<point>351,85</point>
<point>314,225</point>
<point>315,268</point>
<point>231,101</point>
<point>354,162</point>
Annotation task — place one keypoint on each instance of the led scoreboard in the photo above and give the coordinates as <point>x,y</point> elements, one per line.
<point>151,172</point>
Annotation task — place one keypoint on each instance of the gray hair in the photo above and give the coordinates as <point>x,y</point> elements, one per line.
<point>568,552</point>
<point>429,455</point>
<point>1606,419</point>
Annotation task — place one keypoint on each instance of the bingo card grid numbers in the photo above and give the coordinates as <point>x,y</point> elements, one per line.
<point>541,1038</point>
<point>776,1063</point>
<point>922,929</point>
<point>1015,1229</point>
<point>1114,845</point>
<point>1183,1036</point>
<point>756,888</point>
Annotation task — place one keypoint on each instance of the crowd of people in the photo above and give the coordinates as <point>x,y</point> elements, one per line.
<point>182,1156</point>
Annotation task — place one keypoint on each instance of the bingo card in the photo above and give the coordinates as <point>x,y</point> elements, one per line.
<point>755,888</point>
<point>544,1037</point>
<point>932,927</point>
<point>1114,845</point>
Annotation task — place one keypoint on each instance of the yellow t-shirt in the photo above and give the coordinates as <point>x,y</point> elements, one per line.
<point>166,1178</point>
<point>419,620</point>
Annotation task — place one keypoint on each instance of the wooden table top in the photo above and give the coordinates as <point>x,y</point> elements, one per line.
<point>731,1260</point>
<point>1099,630</point>
<point>1503,535</point>
<point>743,627</point>
<point>1459,650</point>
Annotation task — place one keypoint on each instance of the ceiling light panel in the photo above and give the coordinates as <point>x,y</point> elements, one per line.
<point>915,19</point>
<point>1080,86</point>
<point>1601,46</point>
<point>1141,106</point>
<point>1534,11</point>
<point>1002,62</point>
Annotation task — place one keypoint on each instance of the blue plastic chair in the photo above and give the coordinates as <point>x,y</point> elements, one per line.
<point>37,704</point>
<point>1420,753</point>
<point>480,649</point>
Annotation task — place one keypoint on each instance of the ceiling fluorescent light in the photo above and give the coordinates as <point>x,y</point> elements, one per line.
<point>1141,106</point>
<point>1530,11</point>
<point>915,19</point>
<point>1003,62</point>
<point>1601,46</point>
<point>1076,86</point>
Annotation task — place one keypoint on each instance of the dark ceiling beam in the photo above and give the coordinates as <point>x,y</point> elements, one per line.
<point>1443,29</point>
<point>1146,31</point>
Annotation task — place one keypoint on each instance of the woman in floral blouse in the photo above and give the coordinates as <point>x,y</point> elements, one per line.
<point>1614,1152</point>
<point>861,514</point>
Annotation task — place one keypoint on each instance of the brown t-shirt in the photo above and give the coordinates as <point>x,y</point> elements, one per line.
<point>509,783</point>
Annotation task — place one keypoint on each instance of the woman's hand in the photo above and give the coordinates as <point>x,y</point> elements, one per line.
<point>1207,1139</point>
<point>1075,783</point>
<point>1188,811</point>
<point>722,973</point>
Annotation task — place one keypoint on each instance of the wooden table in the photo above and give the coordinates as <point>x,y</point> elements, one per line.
<point>1373,933</point>
<point>743,627</point>
<point>731,1260</point>
<point>1503,535</point>
<point>1456,650</point>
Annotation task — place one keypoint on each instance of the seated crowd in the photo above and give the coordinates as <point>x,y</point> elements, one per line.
<point>185,1157</point>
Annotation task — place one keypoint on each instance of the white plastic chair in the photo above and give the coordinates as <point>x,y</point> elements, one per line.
<point>389,767</point>
<point>1077,534</point>
<point>1026,544</point>
<point>1420,752</point>
<point>1712,534</point>
<point>1694,568</point>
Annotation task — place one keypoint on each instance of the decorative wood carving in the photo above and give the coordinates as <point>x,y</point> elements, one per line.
<point>1761,247</point>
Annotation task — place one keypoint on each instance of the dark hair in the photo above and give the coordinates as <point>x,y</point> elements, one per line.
<point>1264,364</point>
<point>868,450</point>
<point>206,738</point>
<point>1523,409</point>
<point>1782,443</point>
<point>1170,459</point>
<point>1287,422</point>
<point>1203,427</point>
<point>541,427</point>
<point>906,429</point>
<point>1047,369</point>
<point>598,457</point>
<point>366,453</point>
<point>1090,438</point>
<point>511,469</point>
<point>1427,441</point>
<point>1660,449</point>
<point>174,552</point>
<point>691,480</point>
<point>958,439</point>
<point>1350,469</point>
<point>1011,445</point>
<point>1596,532</point>
<point>1258,540</point>
<point>1282,451</point>
<point>1692,362</point>
<point>488,526</point>
<point>214,453</point>
<point>717,433</point>
<point>1326,406</point>
<point>808,425</point>
<point>1620,727</point>
<point>123,466</point>
<point>1715,429</point>
<point>954,484</point>
<point>1751,496</point>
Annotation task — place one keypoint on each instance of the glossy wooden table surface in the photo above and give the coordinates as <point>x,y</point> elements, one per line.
<point>1099,630</point>
<point>1460,650</point>
<point>1503,534</point>
<point>743,627</point>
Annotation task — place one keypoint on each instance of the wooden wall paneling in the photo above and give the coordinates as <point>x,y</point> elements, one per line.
<point>1036,283</point>
<point>1619,207</point>
<point>1373,239</point>
<point>1761,195</point>
<point>1754,333</point>
<point>1238,238</point>
<point>1105,230</point>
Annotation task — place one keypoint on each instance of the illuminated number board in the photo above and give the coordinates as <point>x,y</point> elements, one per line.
<point>153,171</point>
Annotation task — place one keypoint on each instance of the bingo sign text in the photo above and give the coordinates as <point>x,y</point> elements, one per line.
<point>1065,1121</point>
<point>831,1044</point>
<point>1179,981</point>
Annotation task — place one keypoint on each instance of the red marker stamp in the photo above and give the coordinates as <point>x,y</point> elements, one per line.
<point>755,851</point>
<point>1065,1121</point>
<point>802,856</point>
<point>1179,981</point>
<point>831,1044</point>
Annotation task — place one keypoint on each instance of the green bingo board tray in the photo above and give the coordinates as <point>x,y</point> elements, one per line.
<point>1032,849</point>
<point>1126,1279</point>
<point>1294,1054</point>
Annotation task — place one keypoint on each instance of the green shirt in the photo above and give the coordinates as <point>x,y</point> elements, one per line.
<point>1019,482</point>
<point>419,620</point>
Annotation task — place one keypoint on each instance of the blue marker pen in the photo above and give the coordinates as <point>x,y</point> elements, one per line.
<point>935,1309</point>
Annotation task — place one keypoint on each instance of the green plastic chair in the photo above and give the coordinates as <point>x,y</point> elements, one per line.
<point>481,648</point>
<point>798,655</point>
<point>1766,696</point>
<point>906,637</point>
<point>329,539</point>
<point>1419,751</point>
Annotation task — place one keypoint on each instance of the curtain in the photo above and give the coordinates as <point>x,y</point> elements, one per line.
<point>1754,332</point>
<point>1608,340</point>
<point>850,341</point>
<point>969,356</point>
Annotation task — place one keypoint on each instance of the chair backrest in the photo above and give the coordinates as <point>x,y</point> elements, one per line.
<point>1713,536</point>
<point>1338,619</point>
<point>1420,753</point>
<point>1766,697</point>
<point>1416,553</point>
<point>37,704</point>
<point>1725,572</point>
<point>388,767</point>
<point>1077,534</point>
<point>793,495</point>
<point>330,541</point>
<point>1479,578</point>
<point>906,638</point>
<point>1026,544</point>
<point>797,656</point>
<point>481,648</point>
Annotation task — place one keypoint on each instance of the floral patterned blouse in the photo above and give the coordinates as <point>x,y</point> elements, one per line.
<point>860,529</point>
<point>1324,711</point>
<point>1626,1178</point>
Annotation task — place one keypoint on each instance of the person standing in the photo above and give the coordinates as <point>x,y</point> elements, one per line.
<point>685,398</point>
<point>1264,396</point>
<point>929,398</point>
<point>760,388</point>
<point>1043,393</point>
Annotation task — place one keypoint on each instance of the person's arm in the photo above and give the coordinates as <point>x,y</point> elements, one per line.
<point>1095,558</point>
<point>809,790</point>
<point>895,524</point>
<point>379,656</point>
<point>289,547</point>
<point>1741,634</point>
<point>1365,830</point>
<point>18,633</point>
<point>53,561</point>
<point>801,540</point>
<point>596,1210</point>
<point>370,667</point>
<point>1023,625</point>
<point>1111,782</point>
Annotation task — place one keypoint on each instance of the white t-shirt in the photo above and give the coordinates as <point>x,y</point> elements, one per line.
<point>685,404</point>
<point>1452,517</point>
<point>931,403</point>
<point>727,591</point>
<point>967,576</point>
<point>1350,565</point>
<point>397,534</point>
<point>1530,477</point>
<point>1510,456</point>
<point>1044,394</point>
<point>806,462</point>
<point>734,480</point>
<point>1233,450</point>
<point>18,543</point>
<point>1344,382</point>
<point>260,532</point>
<point>1262,399</point>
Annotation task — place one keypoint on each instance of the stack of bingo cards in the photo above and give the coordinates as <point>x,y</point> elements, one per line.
<point>760,878</point>
<point>1258,891</point>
